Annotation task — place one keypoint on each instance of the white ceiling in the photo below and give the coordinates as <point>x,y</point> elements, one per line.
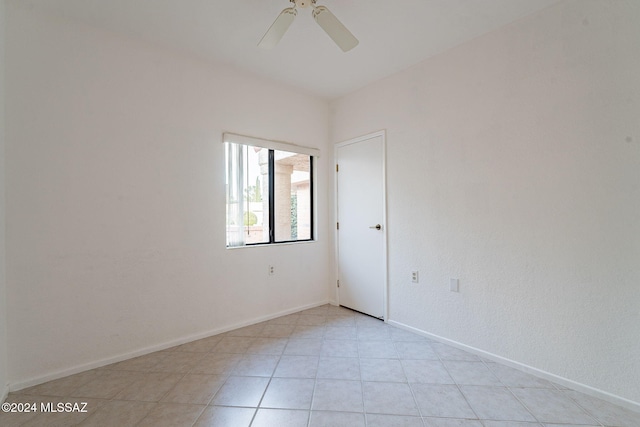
<point>393,34</point>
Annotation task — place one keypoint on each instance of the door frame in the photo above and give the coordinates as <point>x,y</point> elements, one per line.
<point>381,133</point>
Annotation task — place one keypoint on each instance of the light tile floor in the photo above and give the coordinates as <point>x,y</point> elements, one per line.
<point>327,366</point>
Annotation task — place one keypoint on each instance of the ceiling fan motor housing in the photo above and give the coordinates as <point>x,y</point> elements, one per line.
<point>303,3</point>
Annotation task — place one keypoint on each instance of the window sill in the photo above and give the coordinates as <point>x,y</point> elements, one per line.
<point>268,245</point>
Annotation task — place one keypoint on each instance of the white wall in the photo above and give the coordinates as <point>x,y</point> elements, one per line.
<point>115,197</point>
<point>3,306</point>
<point>514,165</point>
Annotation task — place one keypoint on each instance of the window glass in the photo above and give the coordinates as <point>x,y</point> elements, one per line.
<point>269,195</point>
<point>292,196</point>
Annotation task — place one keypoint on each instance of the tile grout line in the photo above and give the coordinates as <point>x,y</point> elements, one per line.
<point>413,395</point>
<point>315,378</point>
<point>456,384</point>
<point>583,408</point>
<point>357,339</point>
<point>512,393</point>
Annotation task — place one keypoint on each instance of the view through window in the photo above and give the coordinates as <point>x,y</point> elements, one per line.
<point>269,195</point>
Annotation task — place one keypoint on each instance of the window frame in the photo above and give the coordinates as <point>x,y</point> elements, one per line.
<point>272,147</point>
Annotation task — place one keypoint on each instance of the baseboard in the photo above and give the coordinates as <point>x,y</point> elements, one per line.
<point>19,385</point>
<point>4,394</point>
<point>565,382</point>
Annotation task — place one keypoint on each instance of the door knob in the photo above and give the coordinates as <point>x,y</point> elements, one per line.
<point>377,227</point>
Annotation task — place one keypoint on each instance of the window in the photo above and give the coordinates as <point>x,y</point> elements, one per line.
<point>269,191</point>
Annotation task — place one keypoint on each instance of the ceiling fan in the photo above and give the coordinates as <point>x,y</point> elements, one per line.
<point>323,16</point>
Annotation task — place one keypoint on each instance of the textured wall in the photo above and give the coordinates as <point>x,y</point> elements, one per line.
<point>514,165</point>
<point>115,197</point>
<point>3,306</point>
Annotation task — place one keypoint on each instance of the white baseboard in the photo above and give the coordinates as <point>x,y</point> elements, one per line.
<point>565,382</point>
<point>19,385</point>
<point>4,393</point>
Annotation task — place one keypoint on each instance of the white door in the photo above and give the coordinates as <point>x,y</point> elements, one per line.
<point>361,233</point>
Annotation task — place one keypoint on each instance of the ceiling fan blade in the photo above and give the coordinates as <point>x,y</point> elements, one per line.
<point>334,28</point>
<point>278,28</point>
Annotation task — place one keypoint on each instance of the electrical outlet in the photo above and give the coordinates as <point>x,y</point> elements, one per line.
<point>454,285</point>
<point>415,277</point>
<point>271,270</point>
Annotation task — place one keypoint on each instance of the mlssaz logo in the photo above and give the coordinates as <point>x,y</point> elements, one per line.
<point>63,407</point>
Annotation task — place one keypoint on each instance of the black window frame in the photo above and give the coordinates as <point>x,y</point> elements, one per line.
<point>272,200</point>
